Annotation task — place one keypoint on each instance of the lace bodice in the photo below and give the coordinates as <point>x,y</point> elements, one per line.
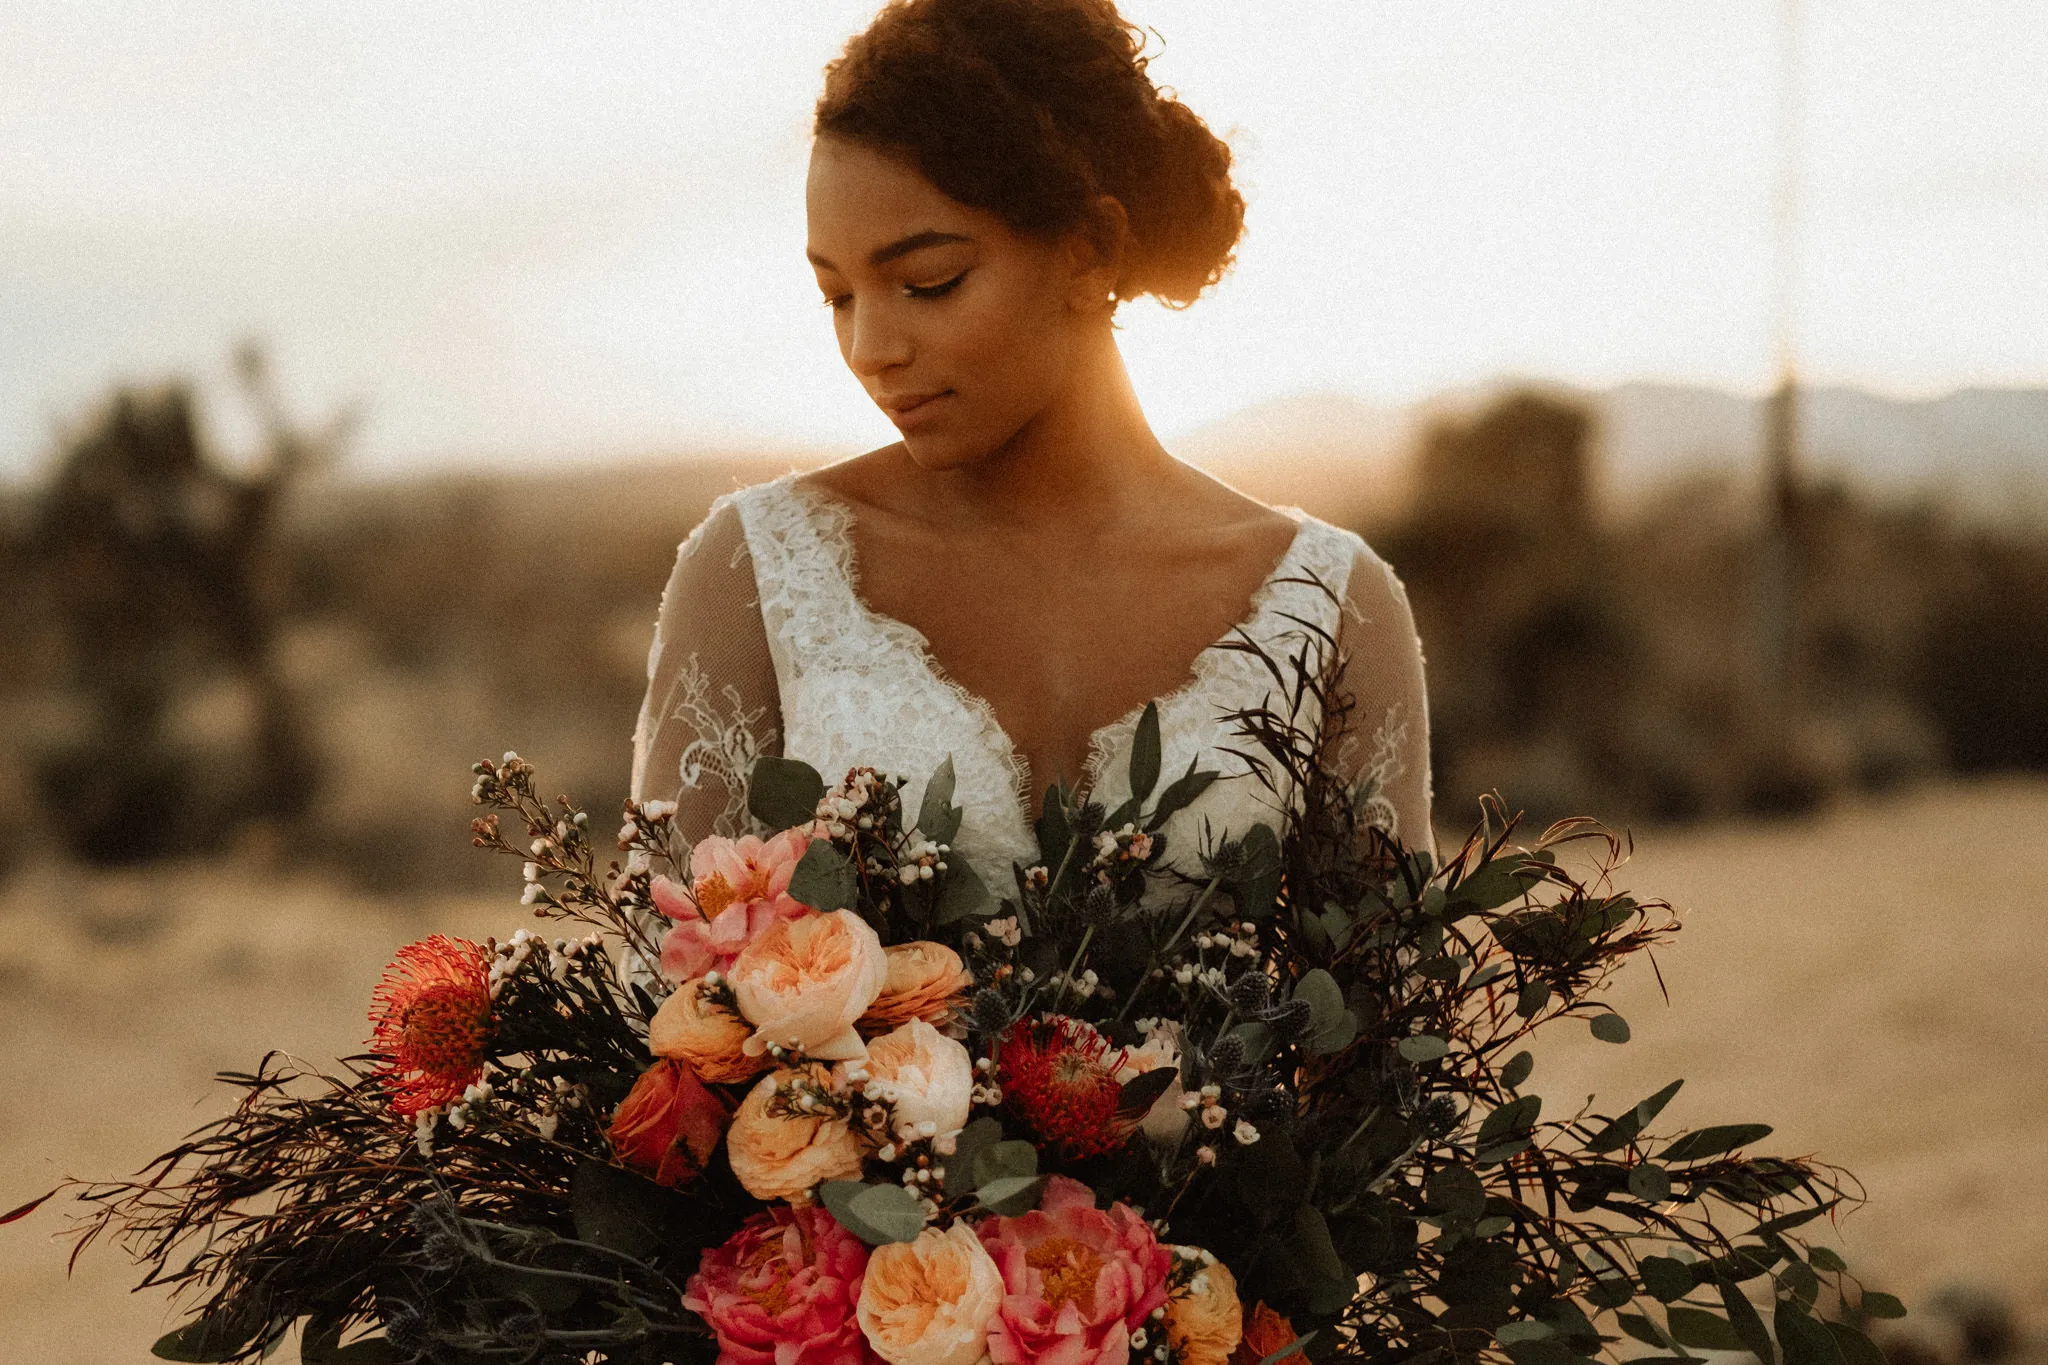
<point>841,684</point>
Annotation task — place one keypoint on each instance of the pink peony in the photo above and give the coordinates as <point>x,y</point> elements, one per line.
<point>1077,1279</point>
<point>738,888</point>
<point>783,1291</point>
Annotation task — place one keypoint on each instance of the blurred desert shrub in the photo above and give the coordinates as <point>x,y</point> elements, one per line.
<point>1583,659</point>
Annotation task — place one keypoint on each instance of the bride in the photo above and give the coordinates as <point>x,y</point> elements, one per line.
<point>1011,582</point>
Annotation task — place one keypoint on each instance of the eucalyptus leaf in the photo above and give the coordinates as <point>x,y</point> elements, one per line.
<point>1748,1323</point>
<point>1700,1328</point>
<point>962,893</point>
<point>1881,1305</point>
<point>1011,1195</point>
<point>976,1138</point>
<point>1324,996</point>
<point>1856,1348</point>
<point>1527,1329</point>
<point>1136,1096</point>
<point>824,879</point>
<point>1826,1258</point>
<point>783,792</point>
<point>1423,1047</point>
<point>1803,1340</point>
<point>1649,1183</point>
<point>1179,795</point>
<point>1706,1142</point>
<point>1517,1069</point>
<point>1610,1028</point>
<point>1532,998</point>
<point>1625,1129</point>
<point>1665,1277</point>
<point>1004,1159</point>
<point>1145,753</point>
<point>938,819</point>
<point>889,1210</point>
<point>1642,1329</point>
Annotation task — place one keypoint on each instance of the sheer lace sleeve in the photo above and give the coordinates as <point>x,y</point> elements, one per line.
<point>1384,749</point>
<point>712,706</point>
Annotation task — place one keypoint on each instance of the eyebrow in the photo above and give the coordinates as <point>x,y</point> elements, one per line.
<point>882,255</point>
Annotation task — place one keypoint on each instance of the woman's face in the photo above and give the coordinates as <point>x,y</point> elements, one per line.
<point>959,328</point>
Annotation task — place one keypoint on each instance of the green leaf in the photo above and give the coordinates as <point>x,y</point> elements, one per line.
<point>1517,1070</point>
<point>1666,1277</point>
<point>1515,1117</point>
<point>1492,885</point>
<point>1532,998</point>
<point>1856,1348</point>
<point>1179,795</point>
<point>784,792</point>
<point>1325,999</point>
<point>1004,1159</point>
<point>824,879</point>
<point>615,1208</point>
<point>1055,829</point>
<point>1295,1349</point>
<point>1136,1096</point>
<point>938,819</point>
<point>1145,753</point>
<point>1826,1258</point>
<point>1318,1252</point>
<point>1527,1329</point>
<point>1706,1330</point>
<point>890,1210</point>
<point>1257,885</point>
<point>1747,1322</point>
<point>1610,1028</point>
<point>212,1338</point>
<point>1649,1183</point>
<point>1457,1191</point>
<point>1804,1341</point>
<point>1501,1151</point>
<point>1611,1291</point>
<point>1882,1305</point>
<point>1798,1280</point>
<point>1423,1047</point>
<point>1011,1195</point>
<point>962,892</point>
<point>1706,1142</point>
<point>1625,1129</point>
<point>874,1213</point>
<point>1642,1329</point>
<point>976,1138</point>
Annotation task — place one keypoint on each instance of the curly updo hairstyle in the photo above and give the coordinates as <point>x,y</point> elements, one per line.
<point>1030,109</point>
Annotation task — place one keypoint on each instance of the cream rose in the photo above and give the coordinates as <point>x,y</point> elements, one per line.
<point>778,1157</point>
<point>926,1076</point>
<point>805,981</point>
<point>692,1027</point>
<point>1165,1121</point>
<point>926,981</point>
<point>929,1302</point>
<point>1205,1321</point>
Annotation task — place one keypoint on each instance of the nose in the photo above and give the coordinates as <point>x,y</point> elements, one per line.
<point>875,340</point>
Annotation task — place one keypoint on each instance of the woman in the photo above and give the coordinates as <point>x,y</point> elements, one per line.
<point>989,181</point>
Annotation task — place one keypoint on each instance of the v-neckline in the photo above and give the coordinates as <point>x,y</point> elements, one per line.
<point>837,540</point>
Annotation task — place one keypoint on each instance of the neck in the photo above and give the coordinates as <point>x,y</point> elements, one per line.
<point>1088,458</point>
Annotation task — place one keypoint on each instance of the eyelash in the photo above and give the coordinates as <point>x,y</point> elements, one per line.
<point>915,291</point>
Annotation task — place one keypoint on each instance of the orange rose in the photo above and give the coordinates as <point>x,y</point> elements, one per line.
<point>926,981</point>
<point>1204,1321</point>
<point>669,1123</point>
<point>692,1027</point>
<point>1264,1333</point>
<point>804,982</point>
<point>777,1157</point>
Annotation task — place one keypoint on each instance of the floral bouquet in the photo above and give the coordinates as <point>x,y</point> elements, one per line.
<point>820,1096</point>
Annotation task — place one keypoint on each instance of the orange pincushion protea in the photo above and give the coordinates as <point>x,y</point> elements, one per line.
<point>431,1020</point>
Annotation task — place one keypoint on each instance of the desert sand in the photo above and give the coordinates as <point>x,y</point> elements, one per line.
<point>1870,981</point>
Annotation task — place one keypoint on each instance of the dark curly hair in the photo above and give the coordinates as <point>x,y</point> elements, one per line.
<point>1030,109</point>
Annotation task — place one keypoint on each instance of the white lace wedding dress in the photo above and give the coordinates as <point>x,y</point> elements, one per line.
<point>763,645</point>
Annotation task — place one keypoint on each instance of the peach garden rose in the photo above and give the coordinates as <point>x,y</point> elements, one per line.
<point>925,981</point>
<point>804,982</point>
<point>927,1078</point>
<point>693,1028</point>
<point>930,1301</point>
<point>1204,1320</point>
<point>787,1156</point>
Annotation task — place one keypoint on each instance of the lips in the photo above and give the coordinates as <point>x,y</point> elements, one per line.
<point>900,404</point>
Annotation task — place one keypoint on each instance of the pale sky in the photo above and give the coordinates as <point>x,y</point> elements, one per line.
<point>525,232</point>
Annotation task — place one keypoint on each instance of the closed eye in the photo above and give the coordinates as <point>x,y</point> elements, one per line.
<point>933,291</point>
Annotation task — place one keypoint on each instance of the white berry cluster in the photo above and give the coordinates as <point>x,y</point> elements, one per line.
<point>1120,848</point>
<point>852,805</point>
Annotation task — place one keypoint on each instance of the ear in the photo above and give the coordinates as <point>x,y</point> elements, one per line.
<point>1095,255</point>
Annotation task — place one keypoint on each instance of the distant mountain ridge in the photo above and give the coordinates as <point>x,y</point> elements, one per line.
<point>1985,450</point>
